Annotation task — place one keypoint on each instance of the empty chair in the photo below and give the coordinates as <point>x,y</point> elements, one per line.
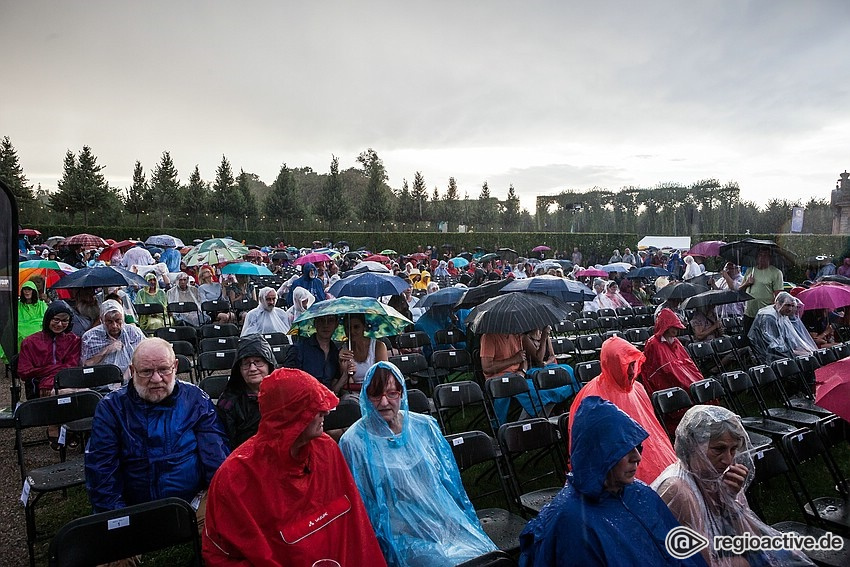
<point>564,329</point>
<point>182,333</point>
<point>343,415</point>
<point>218,330</point>
<point>500,390</point>
<point>706,391</point>
<point>533,440</point>
<point>451,364</point>
<point>669,405</point>
<point>638,336</point>
<point>606,312</point>
<point>282,354</point>
<point>587,371</point>
<point>746,401</point>
<point>184,348</point>
<point>563,348</point>
<point>624,311</point>
<point>412,366</point>
<point>416,339</point>
<point>277,339</point>
<point>449,337</point>
<point>825,356</point>
<point>461,406</point>
<point>549,378</point>
<point>213,344</point>
<point>185,367</point>
<point>417,401</point>
<point>214,385</point>
<point>607,323</point>
<point>586,325</point>
<point>588,346</point>
<point>727,355</point>
<point>209,362</point>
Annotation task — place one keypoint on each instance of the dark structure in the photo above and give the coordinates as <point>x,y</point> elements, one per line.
<point>841,205</point>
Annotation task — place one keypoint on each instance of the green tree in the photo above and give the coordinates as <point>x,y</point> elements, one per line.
<point>333,206</point>
<point>227,200</point>
<point>487,208</point>
<point>83,188</point>
<point>164,188</point>
<point>284,201</point>
<point>375,206</point>
<point>435,211</point>
<point>420,195</point>
<point>62,200</point>
<point>249,203</point>
<point>406,205</point>
<point>13,174</point>
<point>451,202</point>
<point>137,195</point>
<point>510,214</point>
<point>195,198</point>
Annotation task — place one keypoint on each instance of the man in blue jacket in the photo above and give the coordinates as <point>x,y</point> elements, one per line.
<point>155,437</point>
<point>308,281</point>
<point>603,516</point>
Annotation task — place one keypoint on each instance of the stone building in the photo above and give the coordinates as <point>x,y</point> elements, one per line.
<point>841,205</point>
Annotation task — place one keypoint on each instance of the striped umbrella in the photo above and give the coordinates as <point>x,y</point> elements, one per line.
<point>51,270</point>
<point>215,251</point>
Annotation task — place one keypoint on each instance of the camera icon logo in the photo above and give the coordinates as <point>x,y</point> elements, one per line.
<point>683,542</point>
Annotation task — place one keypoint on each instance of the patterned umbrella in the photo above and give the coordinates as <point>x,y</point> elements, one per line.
<point>215,251</point>
<point>50,270</point>
<point>105,276</point>
<point>381,320</point>
<point>87,240</point>
<point>123,246</point>
<point>515,313</point>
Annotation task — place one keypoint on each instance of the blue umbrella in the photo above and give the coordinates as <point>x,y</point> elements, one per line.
<point>246,269</point>
<point>649,272</point>
<point>616,267</point>
<point>445,296</point>
<point>369,284</point>
<point>459,262</point>
<point>553,286</point>
<point>106,276</point>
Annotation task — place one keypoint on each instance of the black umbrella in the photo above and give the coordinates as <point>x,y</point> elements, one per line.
<point>106,276</point>
<point>489,257</point>
<point>516,313</point>
<point>481,293</point>
<point>835,278</point>
<point>679,291</point>
<point>366,267</point>
<point>648,272</point>
<point>817,261</point>
<point>466,255</point>
<point>745,252</point>
<point>715,297</point>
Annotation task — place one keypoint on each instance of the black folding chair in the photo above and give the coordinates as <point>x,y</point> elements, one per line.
<point>343,415</point>
<point>182,333</point>
<point>550,378</point>
<point>92,377</point>
<point>214,385</point>
<point>216,330</point>
<point>418,402</point>
<point>209,362</point>
<point>461,406</point>
<point>587,371</point>
<point>511,386</point>
<point>277,339</point>
<point>126,532</point>
<point>450,364</point>
<point>213,344</point>
<point>669,404</point>
<point>40,480</point>
<point>184,307</point>
<point>213,308</point>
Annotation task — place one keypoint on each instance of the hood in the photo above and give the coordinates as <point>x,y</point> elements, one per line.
<point>29,284</point>
<point>667,319</point>
<point>615,357</point>
<point>372,419</point>
<point>306,268</point>
<point>602,434</point>
<point>261,296</point>
<point>249,345</point>
<point>289,399</point>
<point>299,294</point>
<point>53,310</point>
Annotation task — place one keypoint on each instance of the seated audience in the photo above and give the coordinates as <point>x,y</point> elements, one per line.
<point>603,516</point>
<point>820,329</point>
<point>113,341</point>
<point>705,325</point>
<point>358,357</point>
<point>31,311</point>
<point>318,354</point>
<point>667,362</point>
<point>407,476</point>
<point>778,333</point>
<point>45,353</point>
<point>152,294</point>
<point>265,317</point>
<point>285,496</point>
<point>185,293</point>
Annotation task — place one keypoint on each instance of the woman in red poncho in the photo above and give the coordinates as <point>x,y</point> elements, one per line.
<point>621,363</point>
<point>286,496</point>
<point>667,361</point>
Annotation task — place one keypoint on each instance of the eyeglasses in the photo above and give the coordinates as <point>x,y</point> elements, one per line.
<point>246,364</point>
<point>391,395</point>
<point>147,373</point>
<point>60,320</point>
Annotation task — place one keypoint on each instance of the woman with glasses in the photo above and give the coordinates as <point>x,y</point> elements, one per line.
<point>237,406</point>
<point>45,353</point>
<point>408,479</point>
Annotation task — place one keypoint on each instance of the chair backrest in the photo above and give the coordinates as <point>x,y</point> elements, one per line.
<point>623,311</point>
<point>587,371</point>
<point>707,390</point>
<point>607,323</point>
<point>183,307</point>
<point>343,415</point>
<point>563,346</point>
<point>148,308</point>
<point>825,356</point>
<point>506,386</point>
<point>56,410</point>
<point>410,363</point>
<point>213,344</point>
<point>218,330</point>
<point>449,337</point>
<point>277,339</point>
<point>126,532</point>
<point>530,441</point>
<point>606,312</point>
<point>471,448</point>
<point>415,339</point>
<point>564,328</point>
<point>219,360</point>
<point>637,335</point>
<point>88,376</point>
<point>184,364</point>
<point>418,402</point>
<point>182,333</point>
<point>670,400</point>
<point>550,378</point>
<point>451,358</point>
<point>463,400</point>
<point>586,324</point>
<point>183,347</point>
<point>281,352</point>
<point>244,304</point>
<point>216,306</point>
<point>214,385</point>
<point>588,343</point>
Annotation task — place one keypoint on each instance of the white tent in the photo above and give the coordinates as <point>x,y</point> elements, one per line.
<point>662,242</point>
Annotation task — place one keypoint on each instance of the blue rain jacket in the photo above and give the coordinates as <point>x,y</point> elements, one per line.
<point>411,487</point>
<point>586,525</point>
<point>313,285</point>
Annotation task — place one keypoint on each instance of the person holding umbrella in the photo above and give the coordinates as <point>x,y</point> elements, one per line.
<point>355,360</point>
<point>763,282</point>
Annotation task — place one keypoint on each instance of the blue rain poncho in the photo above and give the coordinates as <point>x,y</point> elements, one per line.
<point>587,525</point>
<point>411,487</point>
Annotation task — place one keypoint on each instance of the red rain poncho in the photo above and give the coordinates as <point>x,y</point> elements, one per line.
<point>267,508</point>
<point>667,363</point>
<point>615,386</point>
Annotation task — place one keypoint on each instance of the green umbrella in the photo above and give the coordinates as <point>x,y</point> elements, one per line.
<point>389,252</point>
<point>215,251</point>
<point>381,319</point>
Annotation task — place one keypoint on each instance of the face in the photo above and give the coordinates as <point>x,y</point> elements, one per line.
<point>763,259</point>
<point>389,401</point>
<point>612,289</point>
<point>114,322</point>
<point>722,450</point>
<point>27,293</point>
<point>787,309</point>
<point>151,283</point>
<point>206,277</point>
<point>325,326</point>
<point>623,473</point>
<point>356,327</point>
<point>671,333</point>
<point>254,369</point>
<point>183,283</point>
<point>153,372</point>
<point>314,429</point>
<point>59,323</point>
<point>270,299</point>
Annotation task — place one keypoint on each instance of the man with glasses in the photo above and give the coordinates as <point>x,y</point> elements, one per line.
<point>156,437</point>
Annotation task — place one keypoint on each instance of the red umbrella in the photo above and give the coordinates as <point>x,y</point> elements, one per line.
<point>541,248</point>
<point>29,232</point>
<point>707,249</point>
<point>420,256</point>
<point>313,257</point>
<point>87,240</point>
<point>832,388</point>
<point>825,296</point>
<point>123,246</point>
<point>377,258</point>
<point>591,273</point>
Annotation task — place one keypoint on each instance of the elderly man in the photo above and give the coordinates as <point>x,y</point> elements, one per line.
<point>265,317</point>
<point>137,256</point>
<point>763,283</point>
<point>777,332</point>
<point>603,516</point>
<point>184,293</point>
<point>113,341</point>
<point>286,496</point>
<point>155,437</point>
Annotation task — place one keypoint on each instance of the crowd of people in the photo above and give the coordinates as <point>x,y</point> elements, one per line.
<point>271,488</point>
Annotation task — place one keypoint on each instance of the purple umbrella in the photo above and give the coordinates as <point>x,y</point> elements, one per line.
<point>541,248</point>
<point>707,249</point>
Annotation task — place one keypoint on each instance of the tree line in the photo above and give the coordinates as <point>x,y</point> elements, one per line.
<point>360,198</point>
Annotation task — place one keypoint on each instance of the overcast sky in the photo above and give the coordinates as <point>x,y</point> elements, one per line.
<point>545,95</point>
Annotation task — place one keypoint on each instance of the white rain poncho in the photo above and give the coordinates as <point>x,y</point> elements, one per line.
<point>696,494</point>
<point>264,319</point>
<point>411,486</point>
<point>774,336</point>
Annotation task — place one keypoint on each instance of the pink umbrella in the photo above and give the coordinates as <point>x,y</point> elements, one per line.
<point>591,273</point>
<point>541,248</point>
<point>832,388</point>
<point>313,257</point>
<point>706,249</point>
<point>825,296</point>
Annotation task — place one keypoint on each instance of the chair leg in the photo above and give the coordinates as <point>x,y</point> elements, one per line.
<point>29,514</point>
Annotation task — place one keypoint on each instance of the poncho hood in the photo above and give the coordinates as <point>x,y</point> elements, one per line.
<point>29,285</point>
<point>374,422</point>
<point>602,434</point>
<point>667,319</point>
<point>615,357</point>
<point>289,399</point>
<point>306,268</point>
<point>56,308</point>
<point>249,345</point>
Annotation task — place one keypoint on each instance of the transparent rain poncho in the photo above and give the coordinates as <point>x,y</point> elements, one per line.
<point>696,494</point>
<point>775,336</point>
<point>411,486</point>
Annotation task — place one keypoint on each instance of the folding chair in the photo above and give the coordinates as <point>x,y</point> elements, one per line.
<point>588,347</point>
<point>149,309</point>
<point>126,532</point>
<point>500,390</point>
<point>182,333</point>
<point>277,339</point>
<point>343,415</point>
<point>746,401</point>
<point>550,378</point>
<point>492,559</point>
<point>38,481</point>
<point>215,330</point>
<point>607,323</point>
<point>241,305</point>
<point>418,402</point>
<point>563,348</point>
<point>184,348</point>
<point>186,307</point>
<point>416,339</point>
<point>727,355</point>
<point>213,344</point>
<point>707,391</point>
<point>670,402</point>
<point>800,371</point>
<point>462,402</point>
<point>587,325</point>
<point>185,365</point>
<point>214,385</point>
<point>412,367</point>
<point>282,353</point>
<point>213,308</point>
<point>564,329</point>
<point>606,312</point>
<point>451,337</point>
<point>765,379</point>
<point>624,311</point>
<point>92,377</point>
<point>209,362</point>
<point>638,336</point>
<point>587,371</point>
<point>473,448</point>
<point>825,356</point>
<point>450,364</point>
<point>703,356</point>
<point>525,445</point>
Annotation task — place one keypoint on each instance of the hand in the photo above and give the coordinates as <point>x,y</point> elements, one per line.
<point>735,476</point>
<point>116,346</point>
